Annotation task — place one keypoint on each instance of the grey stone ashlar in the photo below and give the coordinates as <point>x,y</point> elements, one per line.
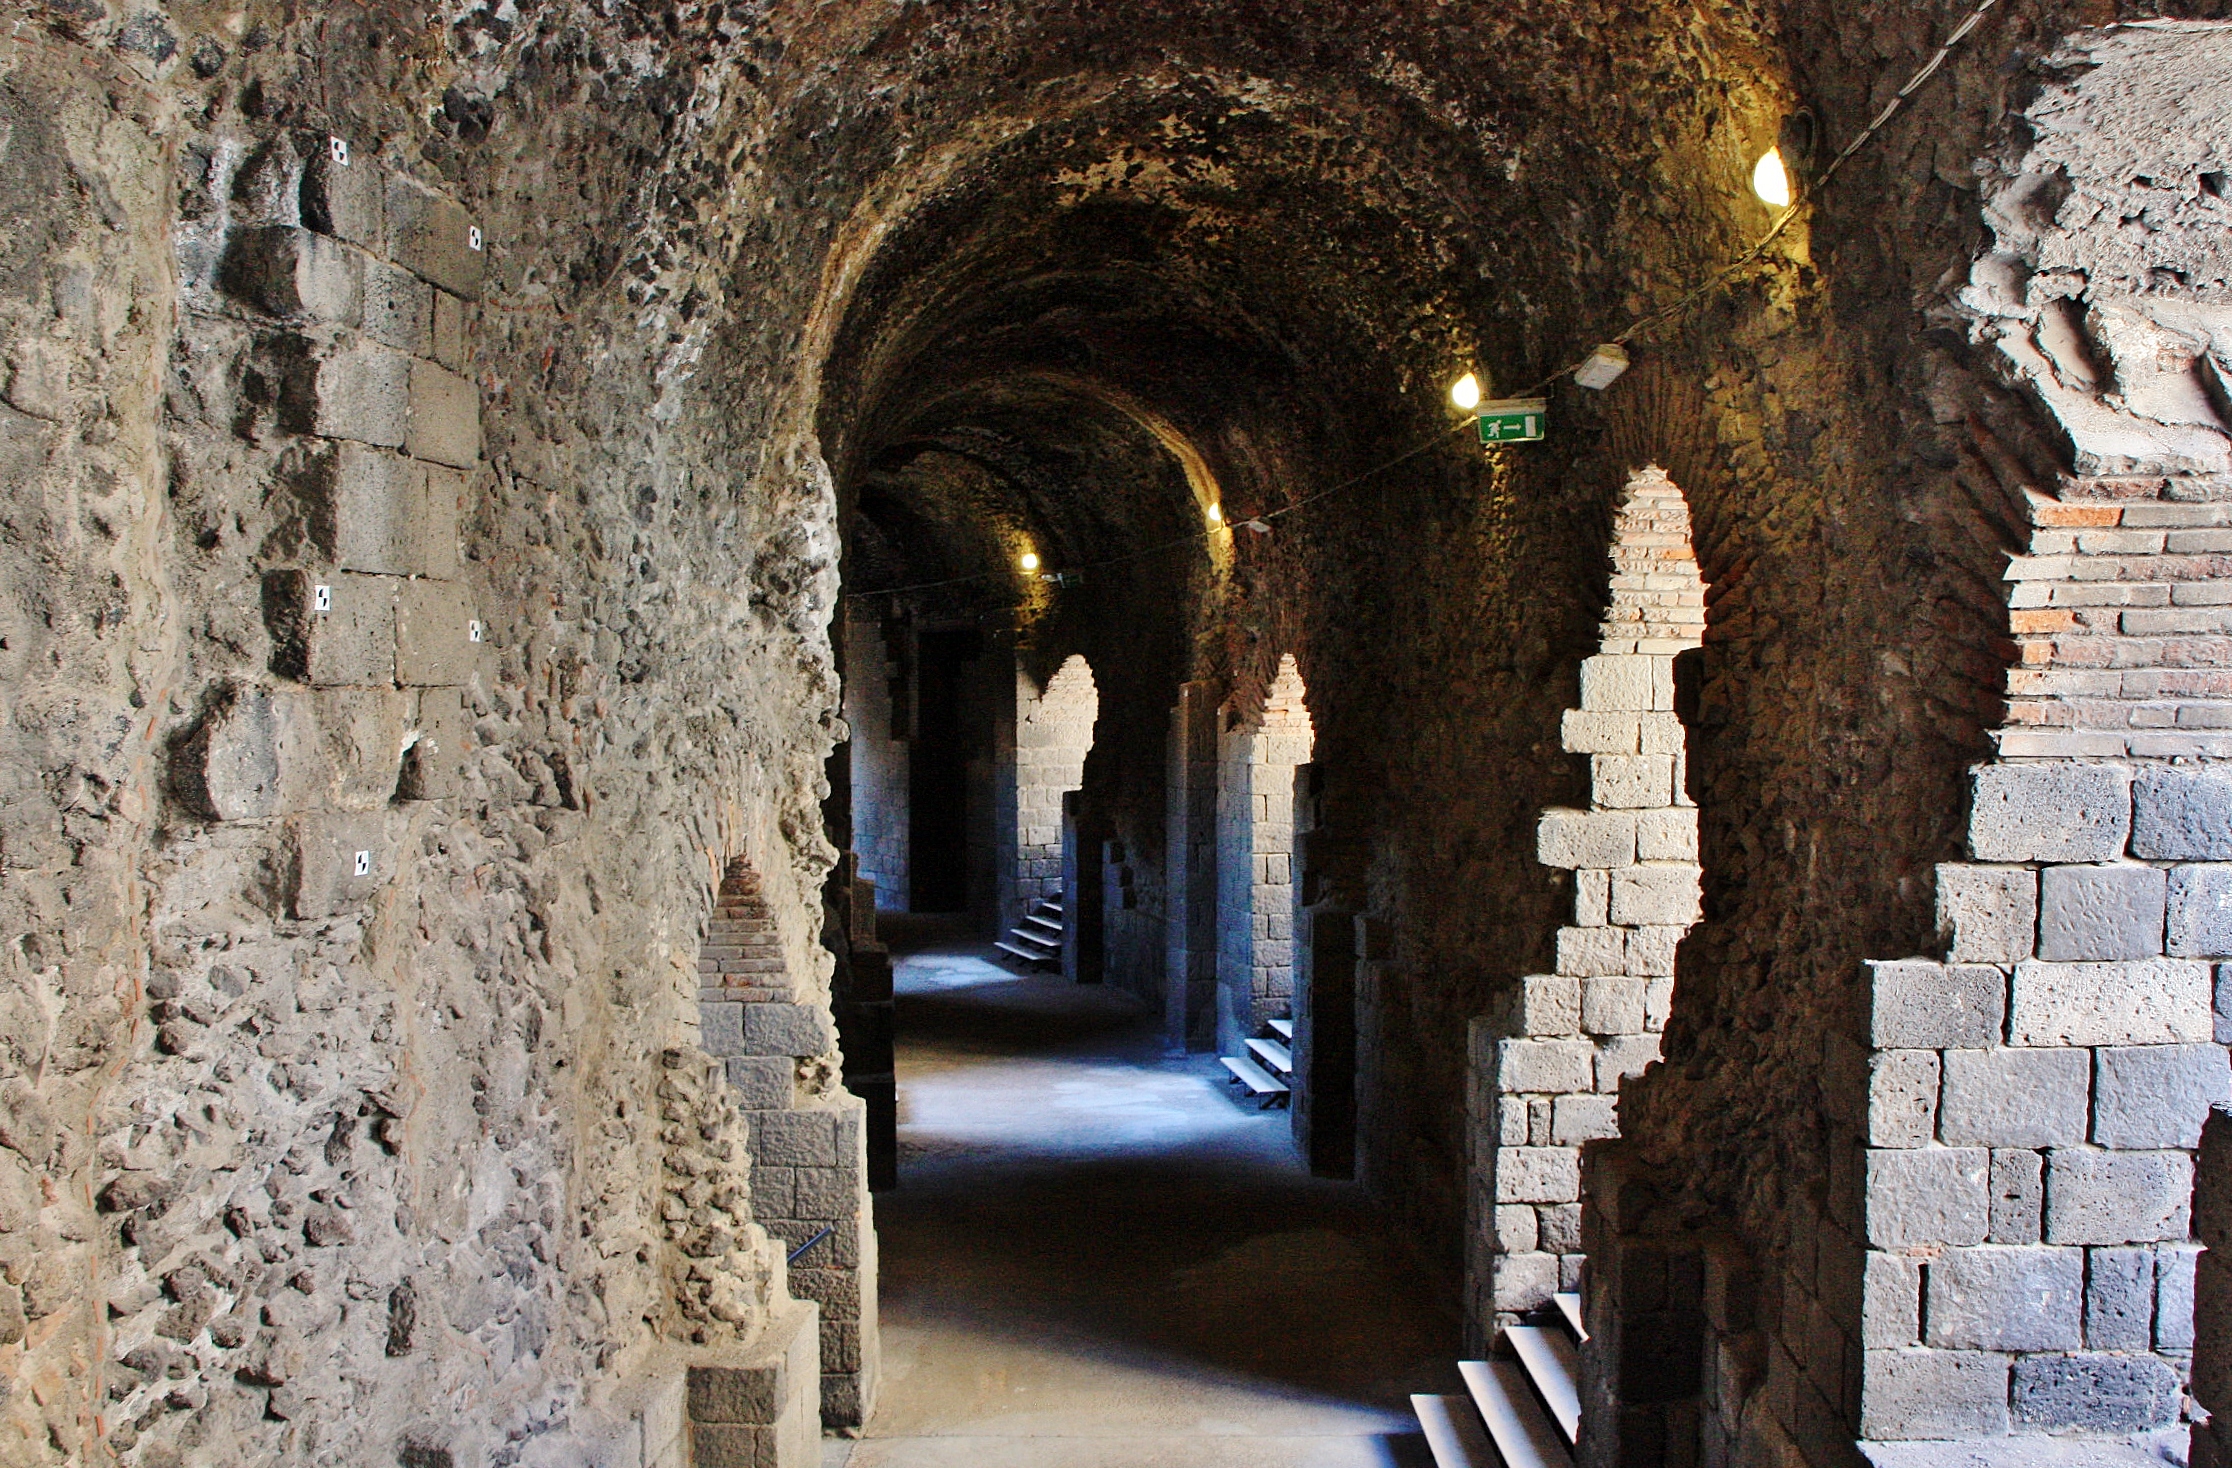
<point>2105,912</point>
<point>2200,910</point>
<point>2049,812</point>
<point>2158,1001</point>
<point>2157,1096</point>
<point>2181,814</point>
<point>1997,1297</point>
<point>2020,1098</point>
<point>1987,914</point>
<point>1922,1004</point>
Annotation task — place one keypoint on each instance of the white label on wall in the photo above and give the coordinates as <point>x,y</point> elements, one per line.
<point>321,598</point>
<point>364,863</point>
<point>472,631</point>
<point>338,150</point>
<point>472,237</point>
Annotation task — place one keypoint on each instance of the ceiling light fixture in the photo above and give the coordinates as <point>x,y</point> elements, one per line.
<point>1216,514</point>
<point>1770,180</point>
<point>1465,392</point>
<point>1030,561</point>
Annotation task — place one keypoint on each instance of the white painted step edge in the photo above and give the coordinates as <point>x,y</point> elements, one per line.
<point>1569,1305</point>
<point>1524,1433</point>
<point>1548,1357</point>
<point>1453,1432</point>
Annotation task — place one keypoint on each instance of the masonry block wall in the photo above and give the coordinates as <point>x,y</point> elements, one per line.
<point>1255,859</point>
<point>2031,1101</point>
<point>1053,734</point>
<point>878,714</point>
<point>1190,967</point>
<point>1546,1071</point>
<point>808,1138</point>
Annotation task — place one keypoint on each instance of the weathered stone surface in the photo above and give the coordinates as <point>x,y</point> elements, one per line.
<point>2100,912</point>
<point>2148,1002</point>
<point>2095,1393</point>
<point>1659,893</point>
<point>2182,815</point>
<point>2018,1180</point>
<point>1903,1098</point>
<point>2117,1197</point>
<point>1933,1394</point>
<point>1929,1195</point>
<point>2119,1299</point>
<point>1995,1298</point>
<point>2014,1098</point>
<point>1572,838</point>
<point>2200,916</point>
<point>2157,1095</point>
<point>2049,812</point>
<point>1987,914</point>
<point>1918,1004</point>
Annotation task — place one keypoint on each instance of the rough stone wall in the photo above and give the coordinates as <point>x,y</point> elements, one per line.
<point>2031,1103</point>
<point>300,1155</point>
<point>1547,1071</point>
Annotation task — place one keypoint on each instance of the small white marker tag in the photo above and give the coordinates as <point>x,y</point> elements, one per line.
<point>472,631</point>
<point>364,863</point>
<point>338,150</point>
<point>321,599</point>
<point>472,237</point>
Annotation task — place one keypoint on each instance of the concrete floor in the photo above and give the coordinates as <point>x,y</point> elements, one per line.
<point>1097,1259</point>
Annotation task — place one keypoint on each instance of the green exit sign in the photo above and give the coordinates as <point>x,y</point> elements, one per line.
<point>1512,420</point>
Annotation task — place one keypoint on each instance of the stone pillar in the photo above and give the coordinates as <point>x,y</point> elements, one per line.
<point>1190,975</point>
<point>1546,1067</point>
<point>1053,734</point>
<point>1255,860</point>
<point>808,1134</point>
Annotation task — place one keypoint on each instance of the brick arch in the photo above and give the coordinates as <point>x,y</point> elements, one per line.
<point>1549,1066</point>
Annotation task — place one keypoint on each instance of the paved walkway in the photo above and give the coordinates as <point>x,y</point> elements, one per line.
<point>1097,1259</point>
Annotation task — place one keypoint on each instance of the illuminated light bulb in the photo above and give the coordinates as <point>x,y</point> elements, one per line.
<point>1216,514</point>
<point>1770,180</point>
<point>1030,561</point>
<point>1465,392</point>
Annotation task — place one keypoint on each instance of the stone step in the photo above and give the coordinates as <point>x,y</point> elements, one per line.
<point>1255,1078</point>
<point>1283,1028</point>
<point>1027,955</point>
<point>1569,1305</point>
<point>1275,1056</point>
<point>1453,1432</point>
<point>1553,1369</point>
<point>1524,1434</point>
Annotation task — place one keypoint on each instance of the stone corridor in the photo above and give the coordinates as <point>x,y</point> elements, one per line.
<point>1577,652</point>
<point>1098,1258</point>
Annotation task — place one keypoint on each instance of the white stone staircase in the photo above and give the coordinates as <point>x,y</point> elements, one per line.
<point>1521,1408</point>
<point>1037,940</point>
<point>1266,1072</point>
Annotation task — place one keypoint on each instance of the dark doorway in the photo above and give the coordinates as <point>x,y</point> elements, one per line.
<point>938,833</point>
